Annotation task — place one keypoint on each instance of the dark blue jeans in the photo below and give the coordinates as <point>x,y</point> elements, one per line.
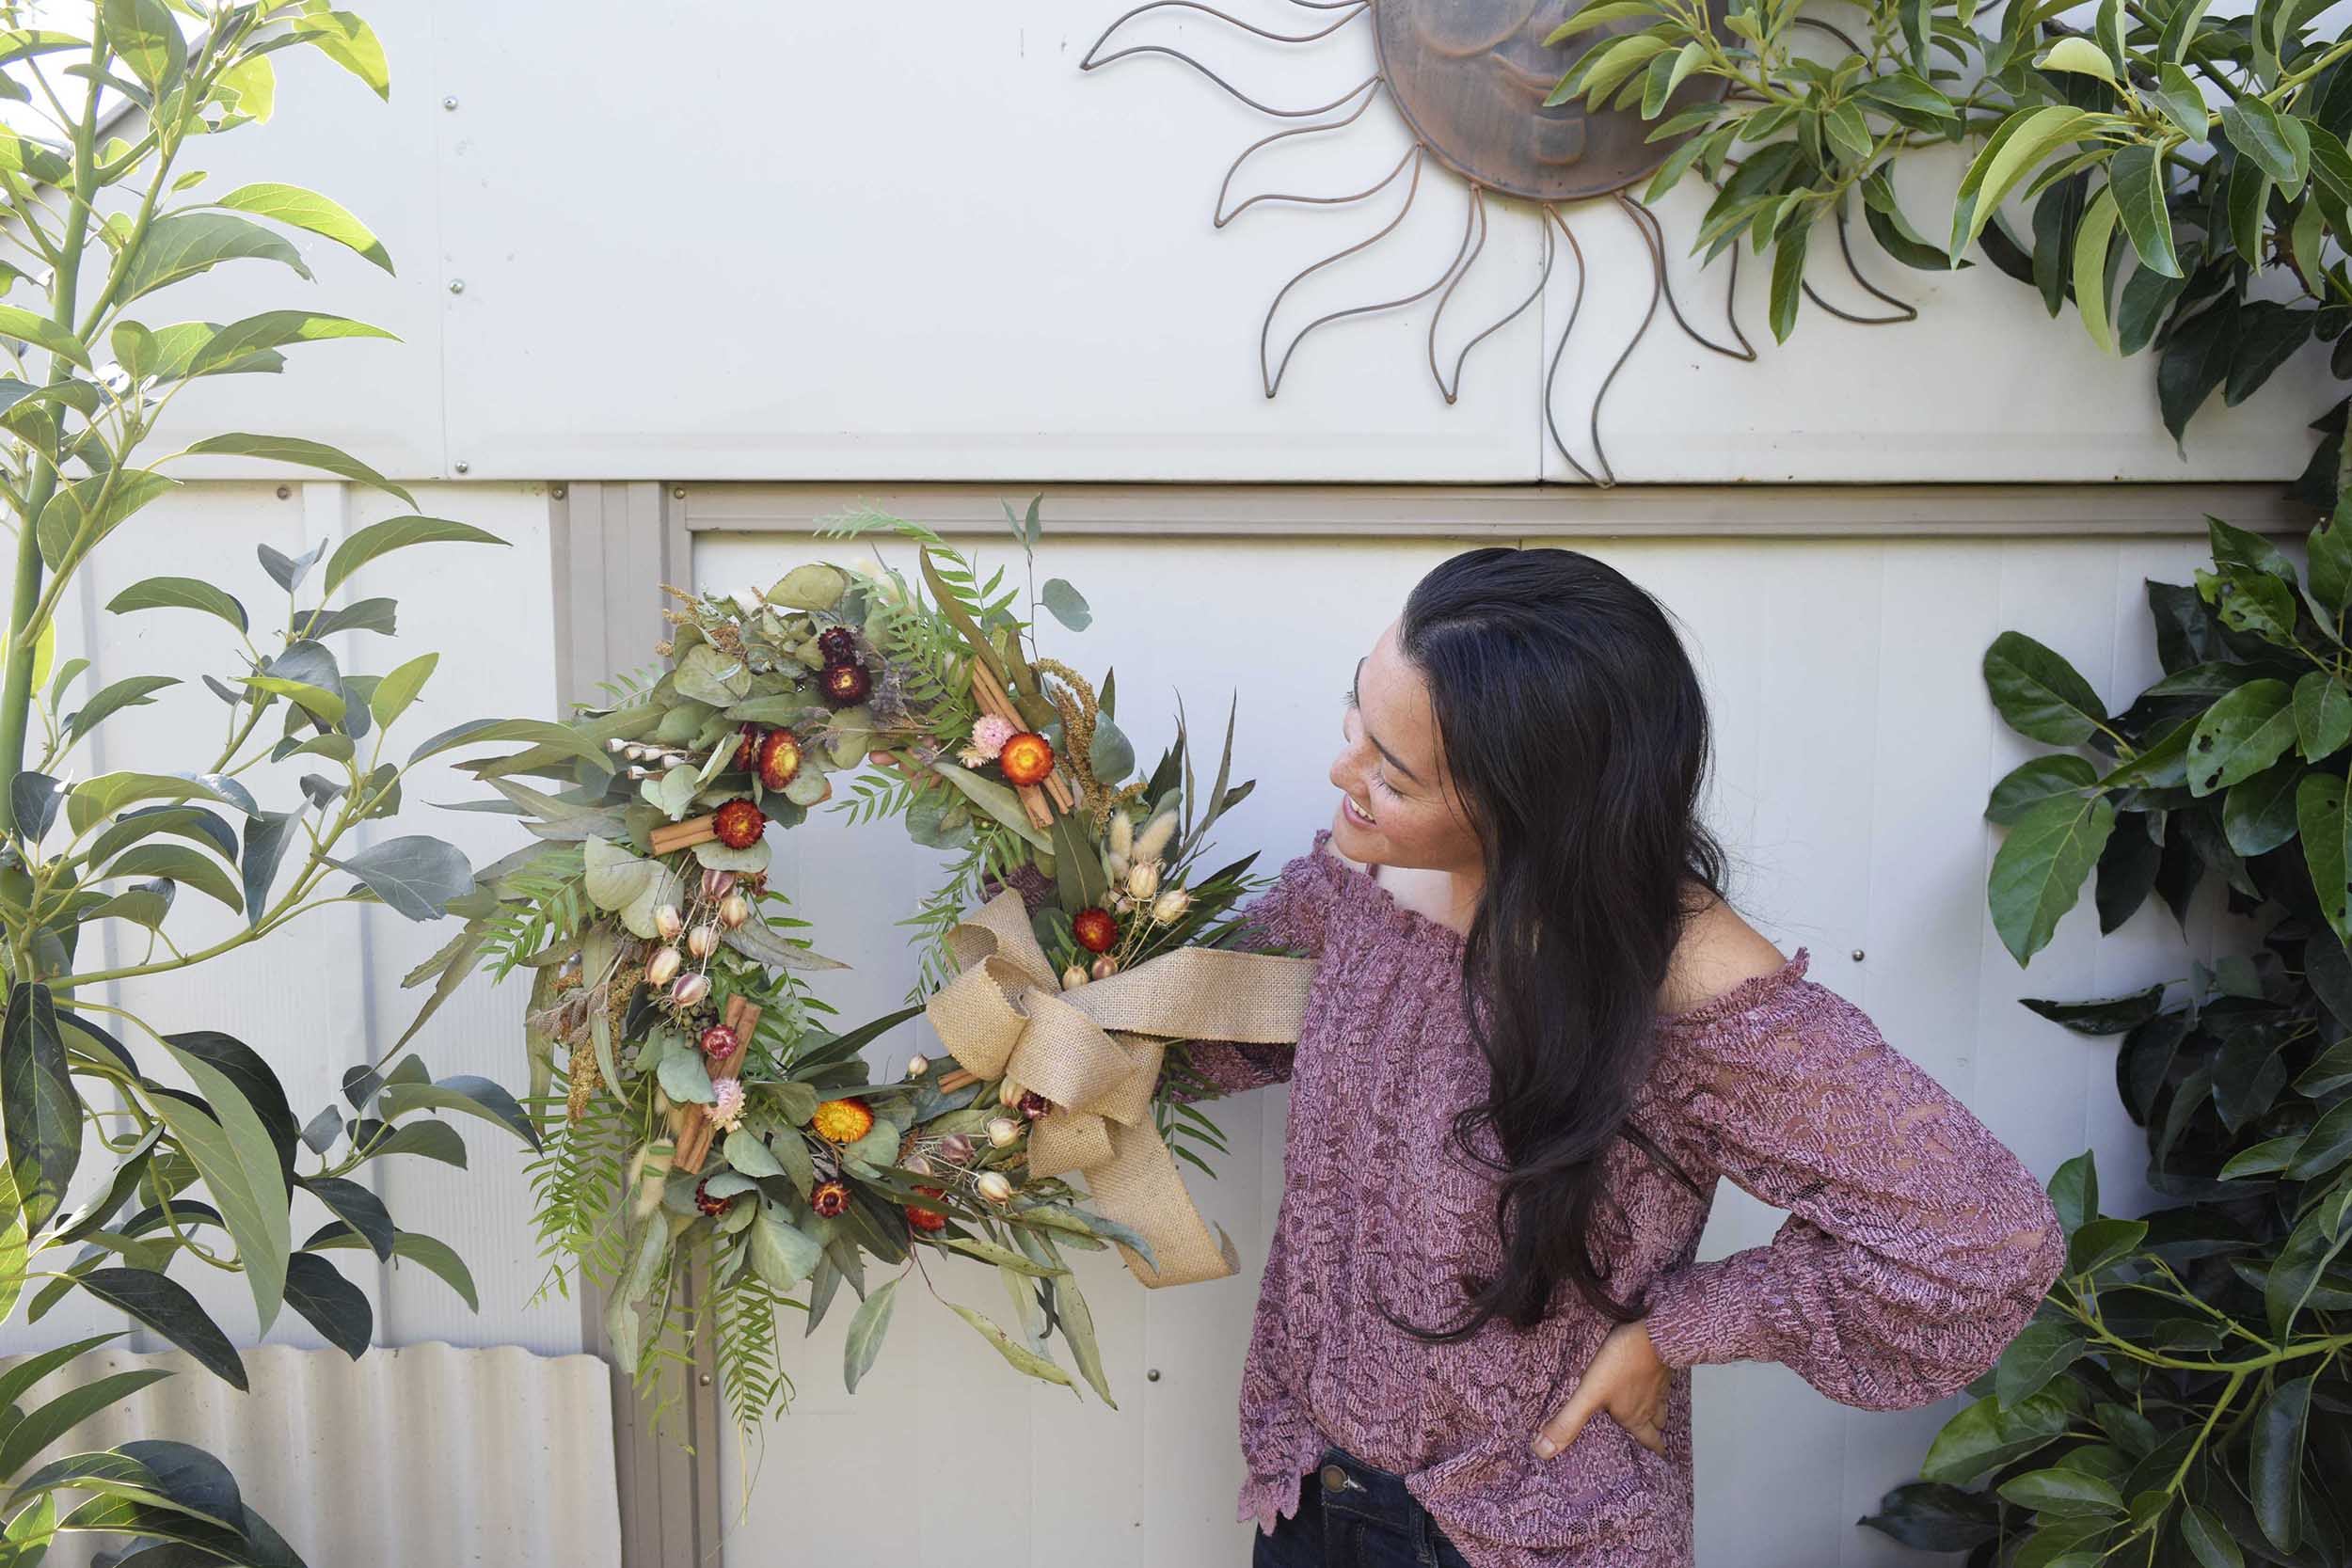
<point>1352,1515</point>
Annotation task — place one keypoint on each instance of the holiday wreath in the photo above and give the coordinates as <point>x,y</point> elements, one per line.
<point>701,1122</point>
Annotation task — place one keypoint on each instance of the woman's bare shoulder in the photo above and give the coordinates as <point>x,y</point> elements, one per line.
<point>1718,950</point>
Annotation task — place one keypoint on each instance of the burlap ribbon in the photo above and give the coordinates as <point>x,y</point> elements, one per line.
<point>1095,1053</point>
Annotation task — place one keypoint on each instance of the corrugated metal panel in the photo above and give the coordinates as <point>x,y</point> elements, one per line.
<point>431,1454</point>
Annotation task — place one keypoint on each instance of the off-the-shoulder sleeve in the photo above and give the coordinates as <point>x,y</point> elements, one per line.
<point>1916,1246</point>
<point>1291,915</point>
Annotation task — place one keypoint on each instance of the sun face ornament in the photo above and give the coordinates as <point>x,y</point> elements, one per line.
<point>1468,80</point>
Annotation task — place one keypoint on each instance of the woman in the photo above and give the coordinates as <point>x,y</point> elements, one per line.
<point>1537,1036</point>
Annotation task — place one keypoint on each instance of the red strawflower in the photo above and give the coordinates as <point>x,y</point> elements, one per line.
<point>925,1219</point>
<point>718,1043</point>
<point>714,1206</point>
<point>831,1199</point>
<point>779,759</point>
<point>837,644</point>
<point>739,824</point>
<point>747,749</point>
<point>1096,931</point>
<point>846,683</point>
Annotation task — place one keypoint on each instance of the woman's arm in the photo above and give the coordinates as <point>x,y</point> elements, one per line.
<point>1917,1244</point>
<point>1288,915</point>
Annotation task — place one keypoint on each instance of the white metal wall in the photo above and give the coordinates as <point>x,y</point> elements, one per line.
<point>1857,748</point>
<point>915,241</point>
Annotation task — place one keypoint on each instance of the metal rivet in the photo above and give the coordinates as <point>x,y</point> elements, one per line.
<point>284,491</point>
<point>679,492</point>
<point>1857,955</point>
<point>703,1379</point>
<point>464,468</point>
<point>1151,1376</point>
<point>457,285</point>
<point>449,102</point>
<point>559,491</point>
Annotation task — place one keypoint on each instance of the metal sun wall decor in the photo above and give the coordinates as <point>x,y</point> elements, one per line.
<point>1469,78</point>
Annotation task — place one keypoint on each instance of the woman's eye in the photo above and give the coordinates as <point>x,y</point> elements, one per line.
<point>1347,697</point>
<point>1380,783</point>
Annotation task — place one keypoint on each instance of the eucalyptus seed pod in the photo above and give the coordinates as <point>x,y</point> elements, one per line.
<point>689,989</point>
<point>1004,1131</point>
<point>667,921</point>
<point>717,884</point>
<point>917,1065</point>
<point>1143,880</point>
<point>1104,967</point>
<point>994,1186</point>
<point>1073,977</point>
<point>703,941</point>
<point>663,966</point>
<point>1007,1094</point>
<point>1169,907</point>
<point>733,910</point>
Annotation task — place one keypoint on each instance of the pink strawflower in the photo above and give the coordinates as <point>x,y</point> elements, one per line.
<point>727,1110</point>
<point>990,734</point>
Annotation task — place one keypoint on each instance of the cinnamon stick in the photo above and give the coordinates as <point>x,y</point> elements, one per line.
<point>694,1141</point>
<point>993,700</point>
<point>951,1081</point>
<point>673,836</point>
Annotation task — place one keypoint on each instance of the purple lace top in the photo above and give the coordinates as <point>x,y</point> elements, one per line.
<point>1915,1248</point>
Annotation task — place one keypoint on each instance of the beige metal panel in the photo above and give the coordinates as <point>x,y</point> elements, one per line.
<point>427,1454</point>
<point>1855,747</point>
<point>1511,511</point>
<point>611,547</point>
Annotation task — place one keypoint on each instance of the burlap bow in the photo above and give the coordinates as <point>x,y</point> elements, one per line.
<point>1095,1053</point>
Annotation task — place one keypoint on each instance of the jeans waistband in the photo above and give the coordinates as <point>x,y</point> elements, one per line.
<point>1350,1484</point>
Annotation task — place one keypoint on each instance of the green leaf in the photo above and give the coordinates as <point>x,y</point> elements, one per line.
<point>866,1328</point>
<point>462,1092</point>
<point>2301,1263</point>
<point>133,691</point>
<point>17,322</point>
<point>2240,736</point>
<point>94,800</point>
<point>180,864</point>
<point>2135,179</point>
<point>2091,239</point>
<point>2257,814</point>
<point>997,800</point>
<point>178,594</point>
<point>396,533</point>
<point>165,1306</point>
<point>538,732</point>
<point>395,692</point>
<point>45,1424</point>
<point>306,209</point>
<point>238,1164</point>
<point>350,42</point>
<point>274,329</point>
<point>145,35</point>
<point>781,1254</point>
<point>2276,1468</point>
<point>1067,604</point>
<point>2326,1145</point>
<point>2038,1354</point>
<point>311,454</point>
<point>2256,130</point>
<point>2323,715</point>
<point>2326,831</point>
<point>181,245</point>
<point>416,875</point>
<point>1594,16</point>
<point>333,1304</point>
<point>2103,1241</point>
<point>14,1248</point>
<point>2077,54</point>
<point>2039,871</point>
<point>40,1110</point>
<point>1003,1258</point>
<point>2208,1538</point>
<point>1018,1356</point>
<point>1788,285</point>
<point>85,511</point>
<point>1984,1437</point>
<point>2062,1492</point>
<point>2177,97</point>
<point>2022,141</point>
<point>2039,694</point>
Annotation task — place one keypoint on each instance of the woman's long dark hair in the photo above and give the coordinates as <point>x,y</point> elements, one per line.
<point>1575,735</point>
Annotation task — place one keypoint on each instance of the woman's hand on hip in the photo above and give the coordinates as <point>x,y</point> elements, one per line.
<point>1626,1381</point>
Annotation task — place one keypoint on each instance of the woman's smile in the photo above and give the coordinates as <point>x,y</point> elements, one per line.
<point>1354,812</point>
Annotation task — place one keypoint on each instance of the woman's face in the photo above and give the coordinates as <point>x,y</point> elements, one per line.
<point>1398,806</point>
